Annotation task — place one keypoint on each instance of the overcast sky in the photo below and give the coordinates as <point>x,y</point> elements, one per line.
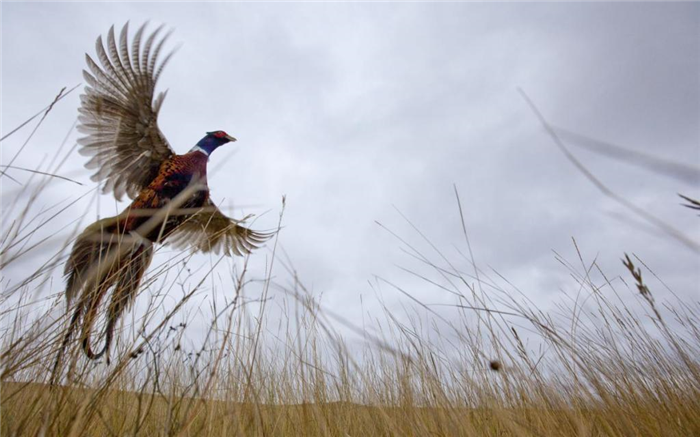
<point>358,111</point>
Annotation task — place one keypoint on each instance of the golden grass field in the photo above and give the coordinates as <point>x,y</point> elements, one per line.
<point>614,361</point>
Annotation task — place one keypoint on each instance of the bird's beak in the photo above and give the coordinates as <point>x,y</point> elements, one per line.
<point>230,138</point>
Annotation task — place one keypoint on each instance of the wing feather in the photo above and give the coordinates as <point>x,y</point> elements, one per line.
<point>210,230</point>
<point>147,51</point>
<point>112,75</point>
<point>119,115</point>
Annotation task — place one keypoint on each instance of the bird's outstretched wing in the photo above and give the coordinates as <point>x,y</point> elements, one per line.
<point>118,113</point>
<point>209,230</point>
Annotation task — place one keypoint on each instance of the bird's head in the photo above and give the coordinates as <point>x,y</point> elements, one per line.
<point>213,140</point>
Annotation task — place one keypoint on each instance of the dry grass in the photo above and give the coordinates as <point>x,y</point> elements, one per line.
<point>612,361</point>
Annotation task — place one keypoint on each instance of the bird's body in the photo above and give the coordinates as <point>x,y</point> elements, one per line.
<point>174,176</point>
<point>114,252</point>
<point>170,197</point>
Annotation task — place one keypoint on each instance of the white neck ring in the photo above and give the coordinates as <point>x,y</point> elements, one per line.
<point>199,149</point>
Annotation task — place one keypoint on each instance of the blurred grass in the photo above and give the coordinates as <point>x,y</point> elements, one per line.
<point>613,361</point>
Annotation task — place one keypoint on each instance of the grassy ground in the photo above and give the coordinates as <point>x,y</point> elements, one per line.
<point>625,374</point>
<point>63,411</point>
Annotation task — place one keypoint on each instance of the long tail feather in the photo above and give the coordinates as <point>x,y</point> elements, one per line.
<point>64,344</point>
<point>103,258</point>
<point>128,279</point>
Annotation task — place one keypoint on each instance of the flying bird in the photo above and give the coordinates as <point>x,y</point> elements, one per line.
<point>130,155</point>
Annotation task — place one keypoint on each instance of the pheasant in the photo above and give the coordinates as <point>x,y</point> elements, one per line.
<point>170,197</point>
